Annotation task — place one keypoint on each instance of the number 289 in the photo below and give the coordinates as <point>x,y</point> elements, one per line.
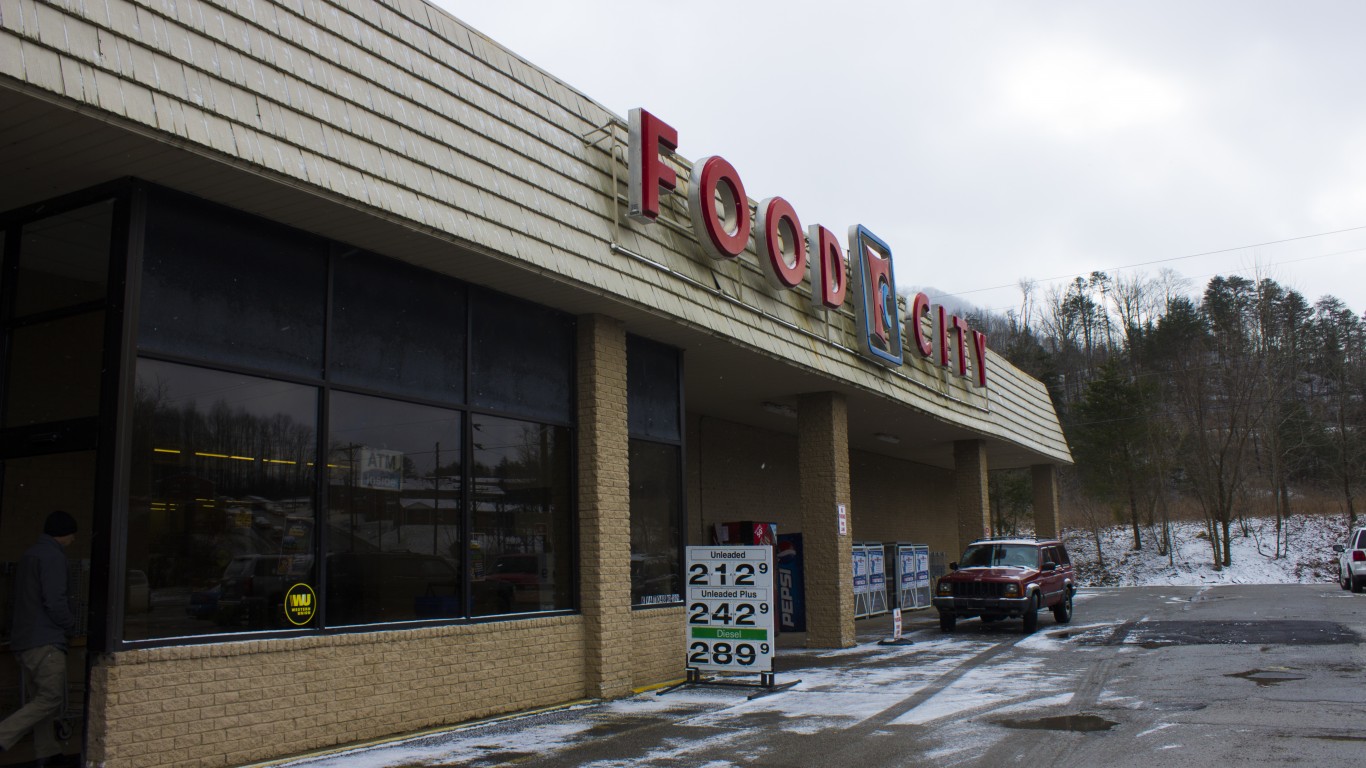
<point>725,654</point>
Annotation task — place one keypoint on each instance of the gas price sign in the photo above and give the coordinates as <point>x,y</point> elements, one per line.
<point>730,609</point>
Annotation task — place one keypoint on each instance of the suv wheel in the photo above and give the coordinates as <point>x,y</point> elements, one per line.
<point>1031,615</point>
<point>1062,612</point>
<point>1344,581</point>
<point>947,621</point>
<point>1357,584</point>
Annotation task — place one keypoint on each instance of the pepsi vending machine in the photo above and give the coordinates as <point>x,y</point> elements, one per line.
<point>787,559</point>
<point>791,600</point>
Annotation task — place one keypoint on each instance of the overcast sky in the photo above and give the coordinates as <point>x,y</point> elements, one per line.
<point>992,141</point>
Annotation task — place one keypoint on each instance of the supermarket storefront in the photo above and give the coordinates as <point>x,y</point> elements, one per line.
<point>381,402</point>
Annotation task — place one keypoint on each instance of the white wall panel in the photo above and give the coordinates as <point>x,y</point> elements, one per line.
<point>397,109</point>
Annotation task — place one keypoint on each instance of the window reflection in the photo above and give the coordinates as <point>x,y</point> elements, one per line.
<point>221,509</point>
<point>520,553</point>
<point>220,285</point>
<point>397,328</point>
<point>654,400</point>
<point>64,259</point>
<point>521,357</point>
<point>54,370</point>
<point>655,530</point>
<point>394,480</point>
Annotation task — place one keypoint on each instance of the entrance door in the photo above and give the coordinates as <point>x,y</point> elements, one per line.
<point>33,487</point>
<point>54,314</point>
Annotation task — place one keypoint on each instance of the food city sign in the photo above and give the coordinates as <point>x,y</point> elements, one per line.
<point>722,221</point>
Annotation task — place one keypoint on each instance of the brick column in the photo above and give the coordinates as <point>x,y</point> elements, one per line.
<point>823,461</point>
<point>604,506</point>
<point>1046,524</point>
<point>970,490</point>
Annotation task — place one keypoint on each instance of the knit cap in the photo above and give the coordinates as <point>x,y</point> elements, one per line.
<point>58,524</point>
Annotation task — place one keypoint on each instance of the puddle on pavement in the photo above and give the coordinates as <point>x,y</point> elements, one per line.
<point>621,724</point>
<point>1269,633</point>
<point>498,758</point>
<point>1266,677</point>
<point>1346,738</point>
<point>1075,723</point>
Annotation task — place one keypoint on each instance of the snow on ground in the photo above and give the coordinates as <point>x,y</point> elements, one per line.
<point>859,683</point>
<point>1305,554</point>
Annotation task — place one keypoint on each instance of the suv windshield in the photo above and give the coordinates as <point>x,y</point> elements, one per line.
<point>1000,556</point>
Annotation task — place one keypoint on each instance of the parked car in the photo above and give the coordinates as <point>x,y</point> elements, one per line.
<point>1352,561</point>
<point>1007,579</point>
<point>137,593</point>
<point>371,587</point>
<point>253,588</point>
<point>203,603</point>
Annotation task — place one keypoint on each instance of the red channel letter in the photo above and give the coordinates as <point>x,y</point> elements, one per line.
<point>717,240</point>
<point>920,306</point>
<point>648,172</point>
<point>774,213</point>
<point>829,279</point>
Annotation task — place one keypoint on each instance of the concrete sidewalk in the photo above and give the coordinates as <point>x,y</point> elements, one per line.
<point>624,731</point>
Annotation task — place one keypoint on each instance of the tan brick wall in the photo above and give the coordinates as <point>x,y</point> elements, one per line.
<point>970,490</point>
<point>899,501</point>
<point>823,464</point>
<point>738,473</point>
<point>235,703</point>
<point>604,505</point>
<point>1045,478</point>
<point>657,642</point>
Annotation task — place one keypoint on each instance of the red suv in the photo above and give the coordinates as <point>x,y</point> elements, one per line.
<point>1006,579</point>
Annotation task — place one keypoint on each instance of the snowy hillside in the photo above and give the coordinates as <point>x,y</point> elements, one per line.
<point>1310,555</point>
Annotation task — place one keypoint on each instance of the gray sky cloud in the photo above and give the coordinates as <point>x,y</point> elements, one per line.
<point>992,141</point>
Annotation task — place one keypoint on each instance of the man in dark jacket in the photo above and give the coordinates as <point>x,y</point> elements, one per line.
<point>42,624</point>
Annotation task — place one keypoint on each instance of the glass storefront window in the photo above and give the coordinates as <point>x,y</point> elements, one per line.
<point>655,516</point>
<point>221,509</point>
<point>397,328</point>
<point>653,390</point>
<point>54,370</point>
<point>521,358</point>
<point>521,548</point>
<point>223,286</point>
<point>427,512</point>
<point>654,405</point>
<point>64,260</point>
<point>395,512</point>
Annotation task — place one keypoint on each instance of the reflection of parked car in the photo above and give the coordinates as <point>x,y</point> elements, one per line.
<point>203,603</point>
<point>253,588</point>
<point>365,587</point>
<point>137,593</point>
<point>1352,561</point>
<point>654,576</point>
<point>521,571</point>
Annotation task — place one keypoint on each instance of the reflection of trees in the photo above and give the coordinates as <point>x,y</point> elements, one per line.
<point>211,482</point>
<point>248,454</point>
<point>521,481</point>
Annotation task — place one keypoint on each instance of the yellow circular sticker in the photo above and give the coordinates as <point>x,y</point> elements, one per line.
<point>300,604</point>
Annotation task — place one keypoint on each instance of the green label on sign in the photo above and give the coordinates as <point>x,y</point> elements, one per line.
<point>718,633</point>
<point>300,604</point>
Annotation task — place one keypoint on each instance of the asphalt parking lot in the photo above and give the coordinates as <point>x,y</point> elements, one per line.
<point>1155,676</point>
